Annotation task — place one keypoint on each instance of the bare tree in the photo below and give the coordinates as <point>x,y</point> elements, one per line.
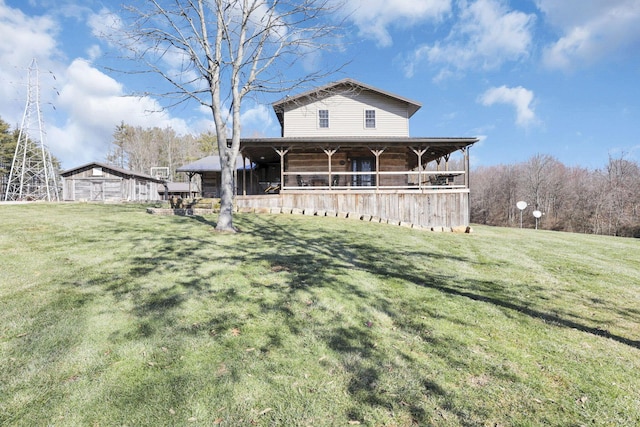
<point>605,201</point>
<point>217,52</point>
<point>140,149</point>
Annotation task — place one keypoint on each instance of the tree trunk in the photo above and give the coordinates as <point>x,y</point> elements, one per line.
<point>225,218</point>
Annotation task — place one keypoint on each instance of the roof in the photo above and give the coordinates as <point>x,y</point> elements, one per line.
<point>210,164</point>
<point>327,90</point>
<point>180,187</point>
<point>114,168</point>
<point>263,149</point>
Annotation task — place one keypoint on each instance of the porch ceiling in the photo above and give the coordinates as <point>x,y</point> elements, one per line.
<point>263,150</point>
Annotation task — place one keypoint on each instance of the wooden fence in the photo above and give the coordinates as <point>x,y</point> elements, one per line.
<point>435,208</point>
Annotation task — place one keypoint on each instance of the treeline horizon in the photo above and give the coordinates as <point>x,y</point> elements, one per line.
<point>603,201</point>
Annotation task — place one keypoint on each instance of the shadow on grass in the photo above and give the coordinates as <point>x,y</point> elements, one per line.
<point>312,261</point>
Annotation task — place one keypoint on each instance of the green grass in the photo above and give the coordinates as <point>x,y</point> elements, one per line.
<point>111,316</point>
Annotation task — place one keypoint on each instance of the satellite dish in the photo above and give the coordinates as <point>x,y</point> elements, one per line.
<point>522,205</point>
<point>537,214</point>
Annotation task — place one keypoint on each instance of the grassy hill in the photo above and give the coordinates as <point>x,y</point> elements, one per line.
<point>111,316</point>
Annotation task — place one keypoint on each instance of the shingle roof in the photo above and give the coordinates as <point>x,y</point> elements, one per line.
<point>180,187</point>
<point>210,164</point>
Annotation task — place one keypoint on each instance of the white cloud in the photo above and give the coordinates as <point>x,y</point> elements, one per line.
<point>374,17</point>
<point>518,97</point>
<point>257,119</point>
<point>90,103</point>
<point>95,104</point>
<point>94,52</point>
<point>104,24</point>
<point>22,39</point>
<point>591,31</point>
<point>486,35</point>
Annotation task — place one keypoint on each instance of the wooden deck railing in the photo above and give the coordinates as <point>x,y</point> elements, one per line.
<point>371,181</point>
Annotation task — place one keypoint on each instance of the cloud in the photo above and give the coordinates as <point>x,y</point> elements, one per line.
<point>592,31</point>
<point>104,24</point>
<point>257,119</point>
<point>22,39</point>
<point>518,97</point>
<point>374,17</point>
<point>88,103</point>
<point>95,104</point>
<point>486,35</point>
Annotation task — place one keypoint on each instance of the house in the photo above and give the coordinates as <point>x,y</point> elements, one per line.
<point>101,182</point>
<point>346,147</point>
<point>209,170</point>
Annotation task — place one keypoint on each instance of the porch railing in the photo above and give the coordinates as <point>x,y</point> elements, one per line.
<point>371,181</point>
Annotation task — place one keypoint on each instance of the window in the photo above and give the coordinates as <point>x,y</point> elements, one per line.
<point>323,118</point>
<point>370,119</point>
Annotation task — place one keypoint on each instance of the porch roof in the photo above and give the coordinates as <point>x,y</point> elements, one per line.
<point>262,150</point>
<point>210,164</point>
<point>178,187</point>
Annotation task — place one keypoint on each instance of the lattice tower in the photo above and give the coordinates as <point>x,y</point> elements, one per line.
<point>32,175</point>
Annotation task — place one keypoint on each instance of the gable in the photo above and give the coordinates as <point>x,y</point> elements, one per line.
<point>101,170</point>
<point>345,103</point>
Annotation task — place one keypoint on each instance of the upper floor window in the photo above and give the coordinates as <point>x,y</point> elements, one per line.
<point>323,118</point>
<point>370,119</point>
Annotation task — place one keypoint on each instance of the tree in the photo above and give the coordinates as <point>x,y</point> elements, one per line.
<point>139,149</point>
<point>8,141</point>
<point>622,179</point>
<point>573,199</point>
<point>221,51</point>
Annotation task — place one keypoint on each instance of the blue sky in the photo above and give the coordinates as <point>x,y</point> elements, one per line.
<point>525,76</point>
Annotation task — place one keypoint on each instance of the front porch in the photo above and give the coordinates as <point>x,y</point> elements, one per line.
<point>419,181</point>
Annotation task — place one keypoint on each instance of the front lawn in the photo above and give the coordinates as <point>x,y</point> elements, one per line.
<point>111,316</point>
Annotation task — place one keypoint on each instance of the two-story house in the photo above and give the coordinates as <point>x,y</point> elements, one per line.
<point>346,147</point>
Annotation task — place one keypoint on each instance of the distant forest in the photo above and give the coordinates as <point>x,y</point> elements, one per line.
<point>575,199</point>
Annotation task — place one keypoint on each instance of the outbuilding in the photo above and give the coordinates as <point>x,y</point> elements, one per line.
<point>101,182</point>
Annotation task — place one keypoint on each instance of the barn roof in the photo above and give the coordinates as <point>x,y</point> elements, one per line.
<point>117,169</point>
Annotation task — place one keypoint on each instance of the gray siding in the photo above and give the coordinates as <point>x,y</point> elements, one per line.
<point>346,116</point>
<point>108,185</point>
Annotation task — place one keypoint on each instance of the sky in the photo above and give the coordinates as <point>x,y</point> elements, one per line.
<point>527,77</point>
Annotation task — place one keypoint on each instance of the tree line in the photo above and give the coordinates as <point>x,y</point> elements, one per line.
<point>575,199</point>
<point>139,149</point>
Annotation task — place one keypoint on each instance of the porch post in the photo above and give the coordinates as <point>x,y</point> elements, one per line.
<point>377,153</point>
<point>329,154</point>
<point>252,179</point>
<point>281,152</point>
<point>191,175</point>
<point>467,181</point>
<point>244,175</point>
<point>419,153</point>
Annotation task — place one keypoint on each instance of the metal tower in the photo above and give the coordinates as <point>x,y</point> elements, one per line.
<point>32,175</point>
